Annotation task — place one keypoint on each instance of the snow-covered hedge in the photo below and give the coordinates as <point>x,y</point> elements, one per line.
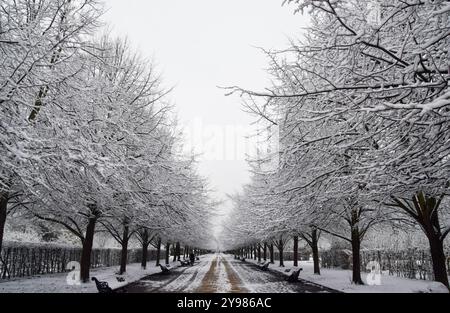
<point>410,263</point>
<point>29,259</point>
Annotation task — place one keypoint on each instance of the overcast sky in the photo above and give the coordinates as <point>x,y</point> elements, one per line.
<point>199,45</point>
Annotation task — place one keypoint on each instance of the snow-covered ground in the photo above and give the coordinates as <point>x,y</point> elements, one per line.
<point>57,283</point>
<point>257,281</point>
<point>341,280</point>
<point>219,274</point>
<point>181,279</point>
<point>209,275</point>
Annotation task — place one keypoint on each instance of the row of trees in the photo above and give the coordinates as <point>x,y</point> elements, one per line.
<point>87,141</point>
<point>362,105</point>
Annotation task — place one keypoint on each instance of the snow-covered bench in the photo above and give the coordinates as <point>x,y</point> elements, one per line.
<point>293,277</point>
<point>165,270</point>
<point>264,266</point>
<point>185,263</point>
<point>102,286</point>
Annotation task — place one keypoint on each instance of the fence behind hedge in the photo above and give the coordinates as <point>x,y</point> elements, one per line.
<point>22,260</point>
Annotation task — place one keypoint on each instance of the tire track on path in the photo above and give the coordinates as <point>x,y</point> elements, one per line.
<point>234,279</point>
<point>209,282</point>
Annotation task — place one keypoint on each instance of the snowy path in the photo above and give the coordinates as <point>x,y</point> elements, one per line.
<point>220,274</point>
<point>182,279</point>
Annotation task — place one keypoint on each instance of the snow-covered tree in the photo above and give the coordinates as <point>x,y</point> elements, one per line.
<point>39,45</point>
<point>363,105</point>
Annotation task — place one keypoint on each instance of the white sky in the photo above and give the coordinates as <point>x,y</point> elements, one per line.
<point>199,45</point>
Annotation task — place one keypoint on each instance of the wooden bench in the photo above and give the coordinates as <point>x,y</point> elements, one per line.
<point>185,263</point>
<point>102,286</point>
<point>264,266</point>
<point>165,270</point>
<point>293,277</point>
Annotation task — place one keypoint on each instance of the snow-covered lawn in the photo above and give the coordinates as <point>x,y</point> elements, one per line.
<point>57,283</point>
<point>341,280</point>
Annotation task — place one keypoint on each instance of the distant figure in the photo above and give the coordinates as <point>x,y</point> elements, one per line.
<point>192,258</point>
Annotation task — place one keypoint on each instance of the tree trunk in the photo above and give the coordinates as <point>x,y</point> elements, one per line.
<point>254,253</point>
<point>438,259</point>
<point>124,252</point>
<point>265,251</point>
<point>158,251</point>
<point>144,255</point>
<point>167,253</point>
<point>145,243</point>
<point>3,211</point>
<point>315,251</point>
<point>87,250</point>
<point>295,251</point>
<point>271,253</point>
<point>356,256</point>
<point>178,252</point>
<point>259,252</point>
<point>281,251</point>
